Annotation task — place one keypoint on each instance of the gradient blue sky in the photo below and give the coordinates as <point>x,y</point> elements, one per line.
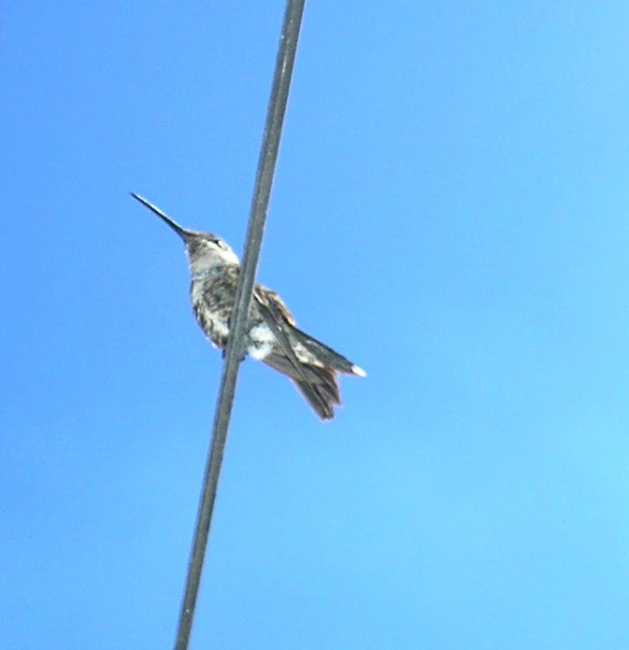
<point>450,210</point>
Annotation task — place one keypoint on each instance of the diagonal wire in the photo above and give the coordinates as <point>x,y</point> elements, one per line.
<point>244,291</point>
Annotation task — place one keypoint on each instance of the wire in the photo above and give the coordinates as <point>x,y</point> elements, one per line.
<point>244,291</point>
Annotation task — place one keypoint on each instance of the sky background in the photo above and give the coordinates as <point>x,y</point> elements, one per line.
<point>450,211</point>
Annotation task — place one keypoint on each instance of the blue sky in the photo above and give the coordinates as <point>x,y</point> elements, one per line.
<point>449,210</point>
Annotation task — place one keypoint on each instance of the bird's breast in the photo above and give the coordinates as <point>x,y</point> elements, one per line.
<point>212,317</point>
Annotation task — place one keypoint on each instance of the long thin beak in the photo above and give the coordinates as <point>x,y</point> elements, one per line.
<point>182,232</point>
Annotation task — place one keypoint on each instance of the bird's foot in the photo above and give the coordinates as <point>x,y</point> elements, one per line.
<point>240,359</point>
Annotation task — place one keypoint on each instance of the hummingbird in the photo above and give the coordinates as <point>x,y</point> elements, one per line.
<point>272,335</point>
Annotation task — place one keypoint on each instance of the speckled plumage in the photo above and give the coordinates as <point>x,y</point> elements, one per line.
<point>272,335</point>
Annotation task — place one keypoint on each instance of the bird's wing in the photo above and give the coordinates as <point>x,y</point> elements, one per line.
<point>326,355</point>
<point>277,317</point>
<point>266,296</point>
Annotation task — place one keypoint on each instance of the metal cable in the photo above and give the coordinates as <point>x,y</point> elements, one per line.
<point>244,291</point>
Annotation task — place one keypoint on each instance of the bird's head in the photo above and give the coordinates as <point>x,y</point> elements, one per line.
<point>205,251</point>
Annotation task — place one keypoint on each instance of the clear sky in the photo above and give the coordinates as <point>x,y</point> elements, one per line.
<point>450,211</point>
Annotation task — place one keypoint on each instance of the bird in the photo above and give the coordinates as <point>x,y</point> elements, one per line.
<point>271,335</point>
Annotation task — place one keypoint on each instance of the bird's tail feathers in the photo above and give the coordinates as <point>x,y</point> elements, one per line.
<point>318,397</point>
<point>320,387</point>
